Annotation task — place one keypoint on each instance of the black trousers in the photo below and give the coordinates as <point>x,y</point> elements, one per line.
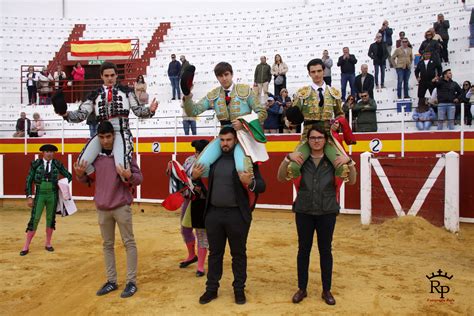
<point>224,224</point>
<point>327,80</point>
<point>444,51</point>
<point>324,226</point>
<point>423,86</point>
<point>31,94</point>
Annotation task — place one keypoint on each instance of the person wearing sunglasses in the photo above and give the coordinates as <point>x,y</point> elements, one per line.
<point>402,58</point>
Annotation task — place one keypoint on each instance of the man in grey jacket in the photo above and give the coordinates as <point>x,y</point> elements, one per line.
<point>327,69</point>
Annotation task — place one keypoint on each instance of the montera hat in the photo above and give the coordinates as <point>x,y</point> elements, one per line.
<point>59,103</point>
<point>48,147</point>
<point>187,79</point>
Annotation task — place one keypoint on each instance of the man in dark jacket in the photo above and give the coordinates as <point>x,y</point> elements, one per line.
<point>174,71</point>
<point>20,126</point>
<point>448,94</point>
<point>365,113</point>
<point>386,33</point>
<point>378,53</point>
<point>231,198</point>
<point>364,82</point>
<point>441,27</point>
<point>316,209</point>
<point>347,63</point>
<point>262,77</point>
<point>184,64</point>
<point>426,70</point>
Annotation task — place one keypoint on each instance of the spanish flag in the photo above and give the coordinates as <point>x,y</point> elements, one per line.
<point>101,48</point>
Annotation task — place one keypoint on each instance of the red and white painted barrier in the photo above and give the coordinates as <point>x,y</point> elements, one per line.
<point>410,186</point>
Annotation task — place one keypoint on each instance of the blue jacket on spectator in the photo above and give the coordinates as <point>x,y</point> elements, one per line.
<point>387,36</point>
<point>425,116</point>
<point>273,121</point>
<point>174,69</point>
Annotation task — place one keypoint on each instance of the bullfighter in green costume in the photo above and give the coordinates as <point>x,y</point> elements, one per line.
<point>44,174</point>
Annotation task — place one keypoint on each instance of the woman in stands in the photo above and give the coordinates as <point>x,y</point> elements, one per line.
<point>44,78</point>
<point>423,115</point>
<point>140,90</point>
<point>284,101</point>
<point>466,87</point>
<point>349,105</point>
<point>279,70</point>
<point>37,126</point>
<point>78,75</point>
<point>31,79</point>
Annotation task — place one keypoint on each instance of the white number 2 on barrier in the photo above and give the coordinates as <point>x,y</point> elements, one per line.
<point>155,147</point>
<point>375,145</point>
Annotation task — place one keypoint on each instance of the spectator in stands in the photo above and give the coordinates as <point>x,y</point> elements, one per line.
<point>349,105</point>
<point>31,80</point>
<point>347,64</point>
<point>466,102</point>
<point>37,126</point>
<point>364,82</point>
<point>431,45</point>
<point>261,78</point>
<point>92,123</point>
<point>284,101</point>
<point>20,126</point>
<point>402,58</point>
<point>78,76</point>
<point>448,93</point>
<point>327,69</point>
<point>378,53</point>
<point>59,76</point>
<point>426,70</point>
<point>189,122</point>
<point>272,123</point>
<point>471,28</point>
<point>441,27</point>
<point>184,64</point>
<point>44,79</point>
<point>140,90</point>
<point>365,112</point>
<point>423,115</point>
<point>279,70</point>
<point>386,33</point>
<point>402,37</point>
<point>174,71</point>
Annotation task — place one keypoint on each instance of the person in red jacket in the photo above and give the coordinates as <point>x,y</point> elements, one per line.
<point>78,74</point>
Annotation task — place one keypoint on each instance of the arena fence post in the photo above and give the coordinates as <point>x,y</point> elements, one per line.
<point>365,188</point>
<point>350,125</point>
<point>139,187</point>
<point>26,137</point>
<point>175,136</point>
<point>69,168</point>
<point>451,192</point>
<point>62,137</point>
<point>136,138</point>
<point>403,132</point>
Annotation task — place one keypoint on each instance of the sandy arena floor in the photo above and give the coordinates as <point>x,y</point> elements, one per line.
<point>379,270</point>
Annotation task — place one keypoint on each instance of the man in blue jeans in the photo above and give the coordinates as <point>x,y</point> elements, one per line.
<point>448,92</point>
<point>347,63</point>
<point>174,71</point>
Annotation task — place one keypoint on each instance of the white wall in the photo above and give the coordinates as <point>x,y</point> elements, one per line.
<point>122,8</point>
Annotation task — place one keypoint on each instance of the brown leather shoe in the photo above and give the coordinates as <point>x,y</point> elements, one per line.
<point>299,296</point>
<point>328,298</point>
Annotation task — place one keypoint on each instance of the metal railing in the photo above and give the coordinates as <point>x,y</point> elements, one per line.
<point>141,128</point>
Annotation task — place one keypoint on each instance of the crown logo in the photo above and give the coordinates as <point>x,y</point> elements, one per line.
<point>439,275</point>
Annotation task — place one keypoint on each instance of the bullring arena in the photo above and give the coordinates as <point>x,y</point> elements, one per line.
<point>402,243</point>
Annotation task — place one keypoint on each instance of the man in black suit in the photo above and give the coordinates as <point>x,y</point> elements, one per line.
<point>230,200</point>
<point>364,82</point>
<point>425,72</point>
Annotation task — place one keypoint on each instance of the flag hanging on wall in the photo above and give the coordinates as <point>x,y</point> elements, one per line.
<point>101,48</point>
